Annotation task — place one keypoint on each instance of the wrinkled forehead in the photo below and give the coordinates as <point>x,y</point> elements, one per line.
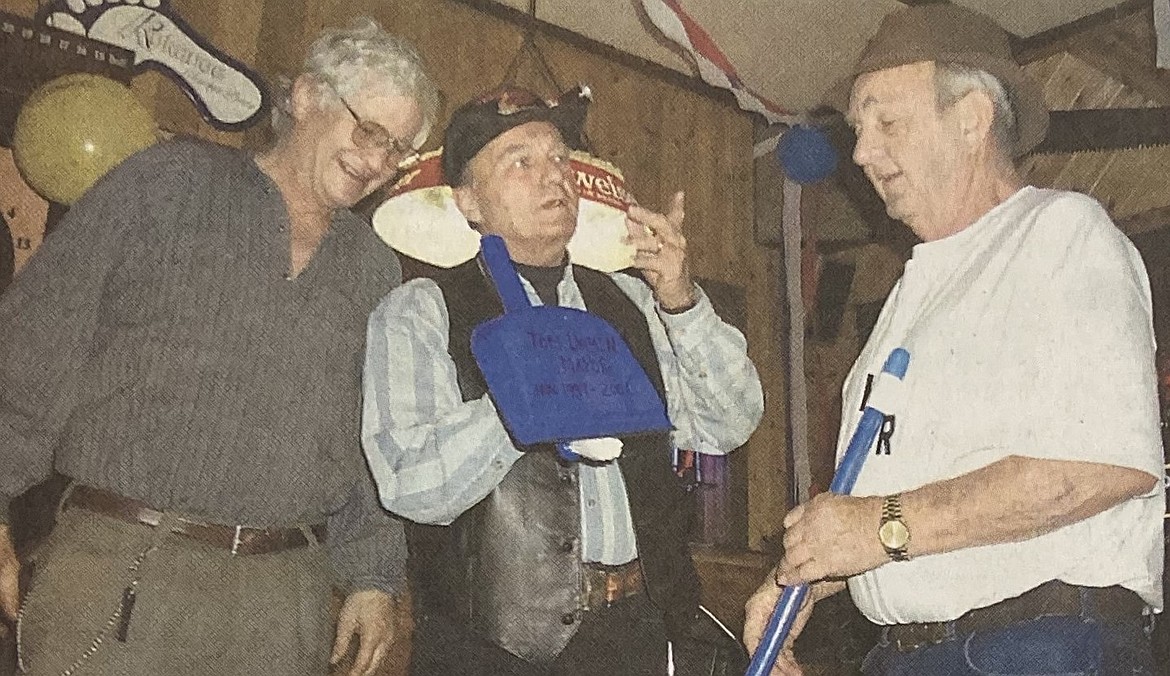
<point>908,86</point>
<point>535,136</point>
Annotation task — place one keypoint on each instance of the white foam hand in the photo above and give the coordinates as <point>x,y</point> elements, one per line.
<point>602,449</point>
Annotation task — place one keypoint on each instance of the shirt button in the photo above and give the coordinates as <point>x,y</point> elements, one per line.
<point>567,545</point>
<point>568,618</point>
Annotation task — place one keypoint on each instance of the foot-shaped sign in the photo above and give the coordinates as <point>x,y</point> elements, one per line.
<point>226,92</point>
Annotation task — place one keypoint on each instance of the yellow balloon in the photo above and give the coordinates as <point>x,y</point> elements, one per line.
<point>74,129</point>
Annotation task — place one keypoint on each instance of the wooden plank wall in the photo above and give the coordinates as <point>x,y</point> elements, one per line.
<point>665,138</point>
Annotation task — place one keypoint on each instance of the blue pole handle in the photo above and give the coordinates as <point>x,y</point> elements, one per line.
<point>567,453</point>
<point>503,273</point>
<point>867,430</point>
<point>512,295</point>
<point>792,598</point>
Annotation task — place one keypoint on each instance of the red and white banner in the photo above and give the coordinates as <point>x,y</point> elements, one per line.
<point>714,66</point>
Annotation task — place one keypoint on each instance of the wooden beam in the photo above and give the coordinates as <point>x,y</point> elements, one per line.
<point>1146,221</point>
<point>1105,41</point>
<point>1071,131</point>
<point>1053,41</point>
<point>1112,50</point>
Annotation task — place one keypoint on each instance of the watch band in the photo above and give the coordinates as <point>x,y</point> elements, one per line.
<point>892,532</point>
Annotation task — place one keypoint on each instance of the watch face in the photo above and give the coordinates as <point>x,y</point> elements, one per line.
<point>893,534</point>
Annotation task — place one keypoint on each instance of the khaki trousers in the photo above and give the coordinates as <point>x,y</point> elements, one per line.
<point>196,609</point>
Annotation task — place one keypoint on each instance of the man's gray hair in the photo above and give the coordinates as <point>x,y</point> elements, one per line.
<point>362,55</point>
<point>953,81</point>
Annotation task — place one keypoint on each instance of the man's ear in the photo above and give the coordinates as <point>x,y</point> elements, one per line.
<point>305,97</point>
<point>468,203</point>
<point>976,115</point>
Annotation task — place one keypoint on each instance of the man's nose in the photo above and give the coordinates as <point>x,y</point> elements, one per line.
<point>864,150</point>
<point>556,171</point>
<point>378,161</point>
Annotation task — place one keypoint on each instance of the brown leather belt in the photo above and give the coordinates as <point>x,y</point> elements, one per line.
<point>239,540</point>
<point>1111,604</point>
<point>606,585</point>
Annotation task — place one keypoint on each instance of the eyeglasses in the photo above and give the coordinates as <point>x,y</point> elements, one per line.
<point>368,134</point>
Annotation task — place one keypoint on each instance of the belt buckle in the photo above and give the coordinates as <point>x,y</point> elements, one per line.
<point>604,588</point>
<point>614,588</point>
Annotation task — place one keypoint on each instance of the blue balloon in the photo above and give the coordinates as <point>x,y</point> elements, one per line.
<point>806,155</point>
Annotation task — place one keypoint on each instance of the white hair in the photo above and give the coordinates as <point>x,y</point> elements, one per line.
<point>954,81</point>
<point>362,55</point>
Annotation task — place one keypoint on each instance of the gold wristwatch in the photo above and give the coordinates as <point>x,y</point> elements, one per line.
<point>892,532</point>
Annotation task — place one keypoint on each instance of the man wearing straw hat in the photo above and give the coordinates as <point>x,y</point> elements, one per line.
<point>1013,522</point>
<point>522,563</point>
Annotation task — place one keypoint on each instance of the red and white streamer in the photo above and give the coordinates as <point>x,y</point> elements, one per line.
<point>714,66</point>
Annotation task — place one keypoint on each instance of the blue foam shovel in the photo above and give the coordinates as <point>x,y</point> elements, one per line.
<point>557,374</point>
<point>787,606</point>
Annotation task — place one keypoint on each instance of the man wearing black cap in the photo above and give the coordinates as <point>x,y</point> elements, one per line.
<point>534,565</point>
<point>1011,523</point>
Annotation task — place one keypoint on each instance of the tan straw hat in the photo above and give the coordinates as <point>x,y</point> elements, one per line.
<point>947,33</point>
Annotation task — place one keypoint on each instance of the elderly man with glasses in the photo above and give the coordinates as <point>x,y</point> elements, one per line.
<point>187,349</point>
<point>370,134</point>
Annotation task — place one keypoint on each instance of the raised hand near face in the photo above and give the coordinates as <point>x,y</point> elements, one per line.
<point>661,254</point>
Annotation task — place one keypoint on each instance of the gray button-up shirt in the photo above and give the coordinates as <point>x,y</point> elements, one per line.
<point>155,347</point>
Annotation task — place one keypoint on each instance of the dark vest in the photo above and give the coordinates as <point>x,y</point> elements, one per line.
<point>510,566</point>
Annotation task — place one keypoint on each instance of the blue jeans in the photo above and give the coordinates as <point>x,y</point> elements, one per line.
<point>1057,645</point>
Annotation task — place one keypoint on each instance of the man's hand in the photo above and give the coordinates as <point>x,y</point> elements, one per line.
<point>370,615</point>
<point>758,611</point>
<point>661,254</point>
<point>831,536</point>
<point>9,576</point>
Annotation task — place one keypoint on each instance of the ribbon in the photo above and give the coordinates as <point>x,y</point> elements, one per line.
<point>714,66</point>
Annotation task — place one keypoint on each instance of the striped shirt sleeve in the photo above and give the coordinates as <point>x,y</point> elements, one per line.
<point>713,393</point>
<point>432,455</point>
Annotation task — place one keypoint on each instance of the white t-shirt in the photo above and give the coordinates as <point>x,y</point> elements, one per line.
<point>1030,333</point>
